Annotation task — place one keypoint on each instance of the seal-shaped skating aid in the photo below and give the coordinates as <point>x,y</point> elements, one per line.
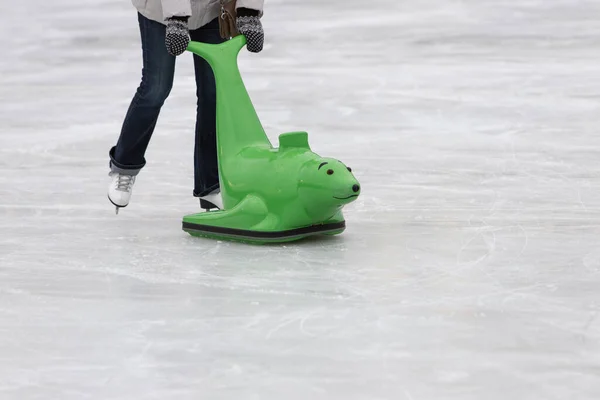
<point>269,194</point>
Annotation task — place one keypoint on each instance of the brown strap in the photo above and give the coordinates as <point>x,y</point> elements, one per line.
<point>227,26</point>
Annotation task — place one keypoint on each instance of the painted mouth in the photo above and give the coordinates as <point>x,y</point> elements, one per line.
<point>345,198</point>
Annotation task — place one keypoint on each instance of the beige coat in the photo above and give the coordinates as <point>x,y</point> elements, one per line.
<point>201,12</point>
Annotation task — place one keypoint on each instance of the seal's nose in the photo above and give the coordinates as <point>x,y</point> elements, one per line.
<point>355,188</point>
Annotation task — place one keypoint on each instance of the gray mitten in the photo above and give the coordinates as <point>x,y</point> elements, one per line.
<point>177,37</point>
<point>248,24</point>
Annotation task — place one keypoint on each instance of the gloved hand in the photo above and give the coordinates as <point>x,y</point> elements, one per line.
<point>177,37</point>
<point>248,24</point>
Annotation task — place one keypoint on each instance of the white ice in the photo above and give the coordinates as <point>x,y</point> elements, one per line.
<point>470,269</point>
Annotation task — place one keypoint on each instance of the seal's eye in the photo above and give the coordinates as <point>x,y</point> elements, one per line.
<point>329,172</point>
<point>349,169</point>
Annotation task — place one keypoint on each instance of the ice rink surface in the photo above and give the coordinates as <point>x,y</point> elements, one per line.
<point>470,269</point>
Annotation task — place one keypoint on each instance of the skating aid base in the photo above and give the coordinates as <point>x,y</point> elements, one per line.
<point>263,237</point>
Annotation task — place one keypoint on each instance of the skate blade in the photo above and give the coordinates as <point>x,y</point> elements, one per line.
<point>116,206</point>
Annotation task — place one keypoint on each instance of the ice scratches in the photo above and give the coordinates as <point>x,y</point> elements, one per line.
<point>487,236</point>
<point>591,261</point>
<point>217,282</point>
<point>593,317</point>
<point>300,319</point>
<point>489,243</point>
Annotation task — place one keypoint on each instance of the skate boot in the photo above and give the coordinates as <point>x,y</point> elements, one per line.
<point>119,191</point>
<point>212,201</point>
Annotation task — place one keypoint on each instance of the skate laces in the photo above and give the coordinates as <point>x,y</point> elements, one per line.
<point>125,182</point>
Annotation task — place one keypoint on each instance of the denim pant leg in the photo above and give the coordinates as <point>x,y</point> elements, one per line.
<point>206,170</point>
<point>157,80</point>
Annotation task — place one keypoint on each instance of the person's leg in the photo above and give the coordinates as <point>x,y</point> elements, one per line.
<point>127,156</point>
<point>206,171</point>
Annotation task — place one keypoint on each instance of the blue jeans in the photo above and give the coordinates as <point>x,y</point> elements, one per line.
<point>157,80</point>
